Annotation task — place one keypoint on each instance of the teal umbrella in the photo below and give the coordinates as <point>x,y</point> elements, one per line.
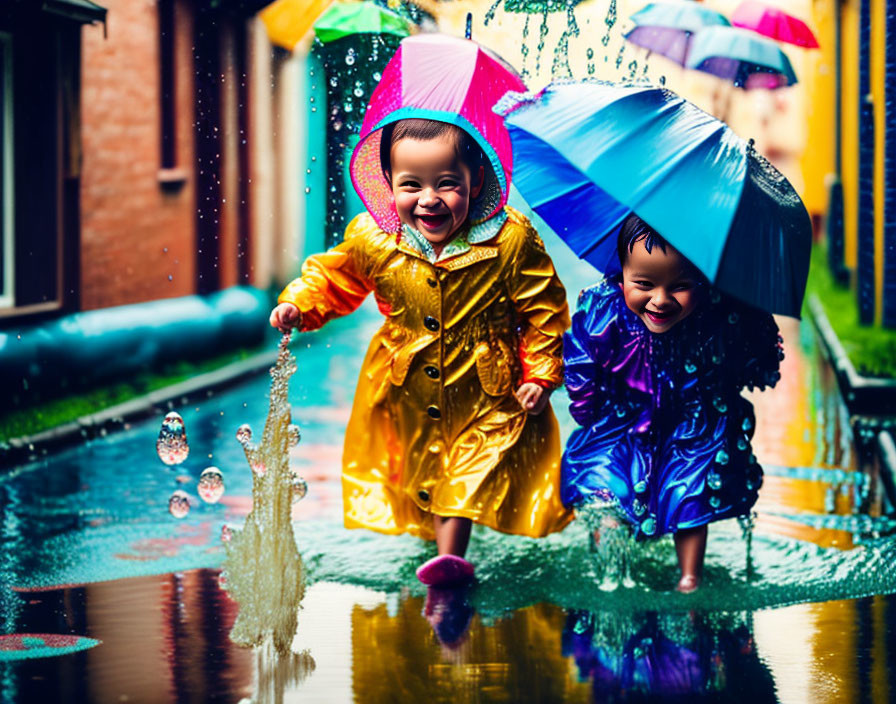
<point>666,27</point>
<point>343,19</point>
<point>588,153</point>
<point>737,54</point>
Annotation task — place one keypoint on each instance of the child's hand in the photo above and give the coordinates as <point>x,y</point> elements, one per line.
<point>533,397</point>
<point>285,317</point>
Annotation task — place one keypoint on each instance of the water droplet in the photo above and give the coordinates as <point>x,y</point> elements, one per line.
<point>358,92</point>
<point>347,106</point>
<point>172,443</point>
<point>179,504</point>
<point>715,501</point>
<point>170,277</point>
<point>722,457</point>
<point>334,81</point>
<point>294,435</point>
<point>714,481</point>
<point>211,485</point>
<point>690,367</point>
<point>377,75</point>
<point>299,488</point>
<point>648,526</point>
<point>244,434</point>
<point>640,487</point>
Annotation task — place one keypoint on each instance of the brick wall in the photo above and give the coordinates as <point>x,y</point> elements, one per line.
<point>138,238</point>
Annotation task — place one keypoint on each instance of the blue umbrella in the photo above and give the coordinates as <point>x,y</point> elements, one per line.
<point>667,27</point>
<point>735,54</point>
<point>586,154</point>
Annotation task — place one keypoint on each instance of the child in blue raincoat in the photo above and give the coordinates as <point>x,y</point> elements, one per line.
<point>655,363</point>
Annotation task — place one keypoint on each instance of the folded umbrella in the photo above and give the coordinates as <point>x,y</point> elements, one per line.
<point>736,54</point>
<point>588,153</point>
<point>666,27</point>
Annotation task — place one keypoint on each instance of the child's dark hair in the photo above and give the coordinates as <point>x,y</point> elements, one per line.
<point>467,148</point>
<point>633,230</point>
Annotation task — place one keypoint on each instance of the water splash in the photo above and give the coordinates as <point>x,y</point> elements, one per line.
<point>172,445</point>
<point>265,574</point>
<point>560,67</point>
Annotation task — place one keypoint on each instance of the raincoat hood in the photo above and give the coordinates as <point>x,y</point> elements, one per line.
<point>443,78</point>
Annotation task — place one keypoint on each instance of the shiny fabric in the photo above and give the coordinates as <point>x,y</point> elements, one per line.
<point>665,434</point>
<point>435,426</point>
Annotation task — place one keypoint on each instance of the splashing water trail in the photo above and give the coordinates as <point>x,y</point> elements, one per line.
<point>264,571</point>
<point>172,444</point>
<point>613,547</point>
<point>490,13</point>
<point>610,21</point>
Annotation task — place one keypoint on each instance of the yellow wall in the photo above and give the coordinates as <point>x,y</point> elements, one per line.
<point>878,93</point>
<point>849,136</point>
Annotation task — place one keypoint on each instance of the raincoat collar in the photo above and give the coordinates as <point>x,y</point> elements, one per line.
<point>478,233</point>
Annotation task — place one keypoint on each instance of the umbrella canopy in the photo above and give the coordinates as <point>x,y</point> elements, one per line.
<point>775,23</point>
<point>287,21</point>
<point>589,153</point>
<point>343,19</point>
<point>417,83</point>
<point>666,27</point>
<point>735,54</point>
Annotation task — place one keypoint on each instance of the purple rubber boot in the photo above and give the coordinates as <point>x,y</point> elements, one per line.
<point>444,570</point>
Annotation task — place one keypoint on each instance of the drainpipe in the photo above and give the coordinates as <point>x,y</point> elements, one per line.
<point>865,245</point>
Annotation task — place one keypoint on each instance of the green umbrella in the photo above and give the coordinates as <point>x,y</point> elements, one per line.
<point>342,19</point>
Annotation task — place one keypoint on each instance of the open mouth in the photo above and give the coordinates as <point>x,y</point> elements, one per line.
<point>657,317</point>
<point>432,222</point>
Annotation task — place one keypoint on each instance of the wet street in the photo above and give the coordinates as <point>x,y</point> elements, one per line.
<point>792,613</point>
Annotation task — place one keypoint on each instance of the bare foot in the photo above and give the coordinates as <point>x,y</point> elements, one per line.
<point>688,583</point>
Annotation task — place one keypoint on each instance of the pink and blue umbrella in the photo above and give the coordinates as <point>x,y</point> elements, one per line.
<point>737,54</point>
<point>438,77</point>
<point>666,27</point>
<point>774,23</point>
<point>589,153</point>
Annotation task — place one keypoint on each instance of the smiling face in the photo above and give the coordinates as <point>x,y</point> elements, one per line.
<point>432,187</point>
<point>659,287</point>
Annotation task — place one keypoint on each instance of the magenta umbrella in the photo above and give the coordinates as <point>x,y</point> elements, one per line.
<point>438,77</point>
<point>774,23</point>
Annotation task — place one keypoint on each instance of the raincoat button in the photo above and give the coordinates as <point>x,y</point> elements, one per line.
<point>431,372</point>
<point>434,412</point>
<point>431,323</point>
<point>423,494</point>
<point>432,282</point>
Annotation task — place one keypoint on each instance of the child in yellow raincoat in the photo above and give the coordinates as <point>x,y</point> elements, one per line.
<point>451,422</point>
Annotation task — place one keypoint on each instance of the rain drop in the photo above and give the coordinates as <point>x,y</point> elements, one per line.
<point>211,485</point>
<point>299,488</point>
<point>244,434</point>
<point>172,443</point>
<point>179,504</point>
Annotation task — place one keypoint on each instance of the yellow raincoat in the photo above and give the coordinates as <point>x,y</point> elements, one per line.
<point>435,426</point>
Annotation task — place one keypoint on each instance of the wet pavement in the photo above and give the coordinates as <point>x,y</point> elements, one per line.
<point>795,614</point>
